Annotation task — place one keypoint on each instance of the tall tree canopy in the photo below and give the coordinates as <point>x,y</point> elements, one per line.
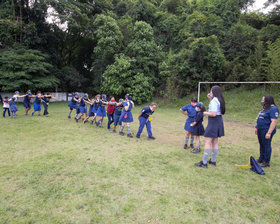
<point>142,47</point>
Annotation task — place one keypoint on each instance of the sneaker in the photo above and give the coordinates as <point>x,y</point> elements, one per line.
<point>121,133</point>
<point>191,145</point>
<point>137,136</point>
<point>69,117</point>
<point>32,113</point>
<point>114,131</point>
<point>153,138</point>
<point>85,121</point>
<point>212,163</point>
<point>129,135</point>
<point>201,164</point>
<point>196,150</point>
<point>185,146</point>
<point>265,164</point>
<point>97,124</point>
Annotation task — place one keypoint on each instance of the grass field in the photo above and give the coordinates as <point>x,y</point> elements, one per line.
<point>53,170</point>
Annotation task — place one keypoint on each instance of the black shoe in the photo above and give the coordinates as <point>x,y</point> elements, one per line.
<point>85,121</point>
<point>201,164</point>
<point>196,150</point>
<point>121,133</point>
<point>97,124</point>
<point>77,120</point>
<point>212,163</point>
<point>91,122</point>
<point>185,146</point>
<point>265,164</point>
<point>137,136</point>
<point>153,138</point>
<point>114,131</point>
<point>129,135</point>
<point>191,145</point>
<point>69,117</point>
<point>259,161</point>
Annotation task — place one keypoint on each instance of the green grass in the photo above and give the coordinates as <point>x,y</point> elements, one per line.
<point>53,170</point>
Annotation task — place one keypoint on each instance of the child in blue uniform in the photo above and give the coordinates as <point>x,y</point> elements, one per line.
<point>190,112</point>
<point>46,100</point>
<point>126,117</point>
<point>83,107</point>
<point>26,101</point>
<point>73,104</point>
<point>37,103</point>
<point>143,118</point>
<point>6,107</point>
<point>266,128</point>
<point>117,114</point>
<point>101,112</point>
<point>198,129</point>
<point>90,110</point>
<point>13,105</point>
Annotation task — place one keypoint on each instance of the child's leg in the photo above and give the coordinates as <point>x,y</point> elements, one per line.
<point>197,142</point>
<point>70,111</point>
<point>39,112</point>
<point>192,138</point>
<point>4,112</point>
<point>187,138</point>
<point>149,129</point>
<point>122,127</point>
<point>15,114</point>
<point>101,121</point>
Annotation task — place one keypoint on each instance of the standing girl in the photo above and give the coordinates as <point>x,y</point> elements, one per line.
<point>83,108</point>
<point>6,107</point>
<point>46,101</point>
<point>126,117</point>
<point>117,114</point>
<point>190,112</point>
<point>110,111</point>
<point>26,101</point>
<point>73,104</point>
<point>198,129</point>
<point>266,128</point>
<point>13,106</point>
<point>37,103</point>
<point>101,112</point>
<point>215,127</point>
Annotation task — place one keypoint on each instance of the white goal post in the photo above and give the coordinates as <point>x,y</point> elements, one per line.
<point>198,89</point>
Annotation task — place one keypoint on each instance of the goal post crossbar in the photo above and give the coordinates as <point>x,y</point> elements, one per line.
<point>199,83</point>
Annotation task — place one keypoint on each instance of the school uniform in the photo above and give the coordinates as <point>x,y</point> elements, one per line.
<point>45,102</point>
<point>90,111</point>
<point>6,107</point>
<point>73,104</point>
<point>101,111</point>
<point>95,107</point>
<point>110,113</point>
<point>117,115</point>
<point>13,106</point>
<point>144,120</point>
<point>263,124</point>
<point>215,127</point>
<point>191,112</point>
<point>37,104</point>
<point>198,129</point>
<point>126,116</point>
<point>82,106</point>
<point>26,101</point>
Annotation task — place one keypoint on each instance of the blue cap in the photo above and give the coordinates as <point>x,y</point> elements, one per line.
<point>127,95</point>
<point>121,100</point>
<point>104,96</point>
<point>28,91</point>
<point>16,92</point>
<point>76,93</point>
<point>86,95</point>
<point>199,104</point>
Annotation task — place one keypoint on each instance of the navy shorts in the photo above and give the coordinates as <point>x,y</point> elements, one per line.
<point>27,104</point>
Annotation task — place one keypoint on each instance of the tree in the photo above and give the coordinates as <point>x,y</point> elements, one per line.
<point>22,69</point>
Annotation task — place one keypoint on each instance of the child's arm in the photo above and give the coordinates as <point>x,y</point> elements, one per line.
<point>118,104</point>
<point>77,100</point>
<point>21,96</point>
<point>185,113</point>
<point>127,106</point>
<point>132,104</point>
<point>139,115</point>
<point>193,124</point>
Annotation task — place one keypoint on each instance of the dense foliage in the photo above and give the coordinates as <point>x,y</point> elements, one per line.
<point>144,47</point>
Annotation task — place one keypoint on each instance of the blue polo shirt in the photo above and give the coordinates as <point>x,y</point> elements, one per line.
<point>264,117</point>
<point>146,112</point>
<point>191,112</point>
<point>37,100</point>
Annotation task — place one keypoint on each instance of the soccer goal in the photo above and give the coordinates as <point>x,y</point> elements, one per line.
<point>199,84</point>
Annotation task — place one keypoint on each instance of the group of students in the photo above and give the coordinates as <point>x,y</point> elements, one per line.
<point>10,107</point>
<point>118,113</point>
